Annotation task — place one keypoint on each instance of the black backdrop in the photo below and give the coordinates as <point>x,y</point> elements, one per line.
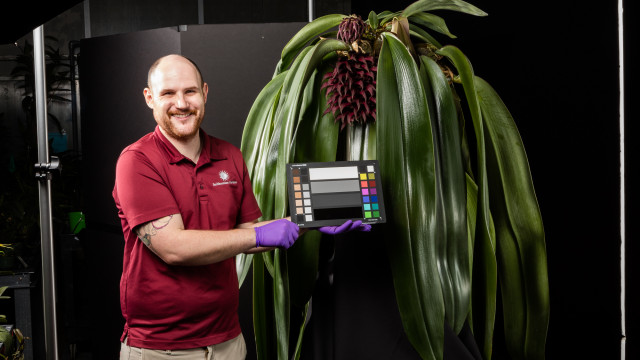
<point>556,69</point>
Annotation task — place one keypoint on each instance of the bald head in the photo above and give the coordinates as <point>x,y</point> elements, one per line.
<point>177,96</point>
<point>172,58</point>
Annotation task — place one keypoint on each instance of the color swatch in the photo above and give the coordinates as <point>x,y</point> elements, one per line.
<point>329,193</point>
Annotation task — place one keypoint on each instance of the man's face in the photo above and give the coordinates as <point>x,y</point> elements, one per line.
<point>177,98</point>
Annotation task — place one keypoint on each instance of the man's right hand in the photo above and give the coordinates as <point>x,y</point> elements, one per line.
<point>280,233</point>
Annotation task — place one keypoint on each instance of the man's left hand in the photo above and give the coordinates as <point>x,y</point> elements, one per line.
<point>346,227</point>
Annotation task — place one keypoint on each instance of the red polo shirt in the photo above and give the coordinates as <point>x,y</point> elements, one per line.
<point>179,307</point>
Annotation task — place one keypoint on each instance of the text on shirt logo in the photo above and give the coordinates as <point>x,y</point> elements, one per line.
<point>224,176</point>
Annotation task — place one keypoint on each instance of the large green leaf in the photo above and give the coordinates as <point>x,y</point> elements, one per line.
<point>387,16</point>
<point>307,33</point>
<point>303,256</point>
<point>472,212</point>
<point>269,301</point>
<point>262,312</point>
<point>282,303</point>
<point>431,21</point>
<point>291,110</point>
<point>321,127</point>
<point>259,121</point>
<point>455,274</point>
<point>455,5</point>
<point>520,233</point>
<point>317,136</point>
<point>423,36</point>
<point>484,281</point>
<point>255,136</point>
<point>361,142</point>
<point>406,156</point>
<point>303,324</point>
<point>263,169</point>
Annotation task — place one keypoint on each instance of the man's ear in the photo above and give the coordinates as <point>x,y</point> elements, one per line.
<point>148,97</point>
<point>205,91</point>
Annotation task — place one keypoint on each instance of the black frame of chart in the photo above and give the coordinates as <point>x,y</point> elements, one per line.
<point>330,193</point>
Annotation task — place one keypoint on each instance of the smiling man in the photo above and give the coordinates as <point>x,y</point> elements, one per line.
<point>186,206</point>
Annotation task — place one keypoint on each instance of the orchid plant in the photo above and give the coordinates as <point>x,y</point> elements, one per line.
<point>465,225</point>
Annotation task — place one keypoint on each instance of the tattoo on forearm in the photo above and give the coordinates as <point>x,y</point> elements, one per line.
<point>146,231</point>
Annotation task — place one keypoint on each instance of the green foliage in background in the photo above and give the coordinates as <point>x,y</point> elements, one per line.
<point>465,226</point>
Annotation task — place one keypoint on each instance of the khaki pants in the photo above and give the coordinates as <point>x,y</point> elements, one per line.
<point>234,349</point>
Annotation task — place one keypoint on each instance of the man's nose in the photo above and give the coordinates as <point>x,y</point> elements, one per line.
<point>181,101</point>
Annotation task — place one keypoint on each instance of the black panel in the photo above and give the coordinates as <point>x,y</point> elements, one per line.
<point>112,76</point>
<point>337,213</point>
<point>254,11</point>
<point>337,200</point>
<point>109,17</point>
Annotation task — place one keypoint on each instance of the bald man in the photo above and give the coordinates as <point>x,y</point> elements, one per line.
<point>186,207</point>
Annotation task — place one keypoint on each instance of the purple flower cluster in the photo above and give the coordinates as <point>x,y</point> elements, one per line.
<point>351,29</point>
<point>351,89</point>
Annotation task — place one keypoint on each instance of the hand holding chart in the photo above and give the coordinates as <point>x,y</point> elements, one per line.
<point>280,233</point>
<point>346,227</point>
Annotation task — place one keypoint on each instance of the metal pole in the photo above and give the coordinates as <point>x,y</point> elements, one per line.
<point>44,190</point>
<point>623,195</point>
<point>312,8</point>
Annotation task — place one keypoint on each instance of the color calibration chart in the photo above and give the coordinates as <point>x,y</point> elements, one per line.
<point>330,193</point>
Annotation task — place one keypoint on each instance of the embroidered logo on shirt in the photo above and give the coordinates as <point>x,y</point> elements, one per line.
<point>224,176</point>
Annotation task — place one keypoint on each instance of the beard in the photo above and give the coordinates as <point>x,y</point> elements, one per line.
<point>181,131</point>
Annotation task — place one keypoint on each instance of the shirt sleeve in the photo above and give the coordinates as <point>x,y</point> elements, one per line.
<point>140,192</point>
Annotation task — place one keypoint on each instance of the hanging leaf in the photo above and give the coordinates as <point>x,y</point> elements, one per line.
<point>317,136</point>
<point>520,233</point>
<point>485,269</point>
<point>455,5</point>
<point>282,303</point>
<point>314,124</point>
<point>455,273</point>
<point>423,35</point>
<point>387,16</point>
<point>306,34</point>
<point>406,156</point>
<point>256,134</point>
<point>269,301</point>
<point>290,112</point>
<point>432,22</point>
<point>262,314</point>
<point>257,127</point>
<point>472,212</point>
<point>305,314</point>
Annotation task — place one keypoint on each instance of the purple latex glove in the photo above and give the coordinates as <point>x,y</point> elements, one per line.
<point>280,233</point>
<point>346,227</point>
